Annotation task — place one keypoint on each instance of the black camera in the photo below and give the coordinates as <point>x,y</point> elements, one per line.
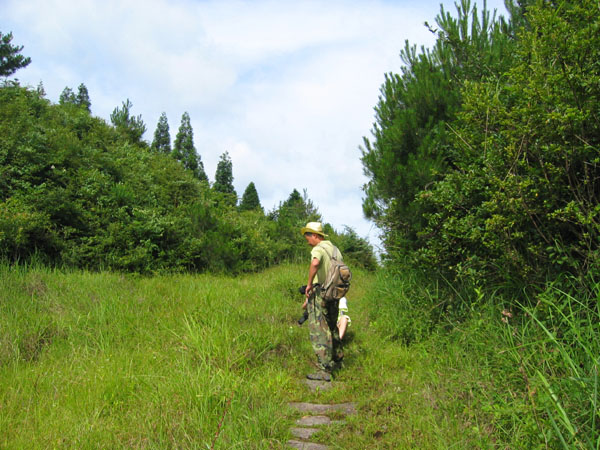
<point>304,318</point>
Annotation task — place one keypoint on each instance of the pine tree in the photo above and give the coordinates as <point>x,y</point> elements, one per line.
<point>10,59</point>
<point>83,97</point>
<point>250,200</point>
<point>224,178</point>
<point>409,149</point>
<point>130,126</point>
<point>184,150</point>
<point>41,92</point>
<point>162,137</point>
<point>67,96</point>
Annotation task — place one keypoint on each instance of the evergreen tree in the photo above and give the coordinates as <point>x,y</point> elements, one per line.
<point>131,127</point>
<point>250,200</point>
<point>41,92</point>
<point>162,137</point>
<point>83,97</point>
<point>224,177</point>
<point>184,150</point>
<point>10,58</point>
<point>410,146</point>
<point>67,96</point>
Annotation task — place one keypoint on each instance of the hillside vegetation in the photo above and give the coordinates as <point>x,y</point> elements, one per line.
<point>78,192</point>
<point>144,306</point>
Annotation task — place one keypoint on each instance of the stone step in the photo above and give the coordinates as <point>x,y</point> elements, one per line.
<point>301,445</point>
<point>313,421</point>
<point>303,433</point>
<point>320,409</point>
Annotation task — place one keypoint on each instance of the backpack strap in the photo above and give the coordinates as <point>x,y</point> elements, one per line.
<point>335,251</point>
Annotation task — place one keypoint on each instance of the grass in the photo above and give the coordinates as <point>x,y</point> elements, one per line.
<point>103,360</point>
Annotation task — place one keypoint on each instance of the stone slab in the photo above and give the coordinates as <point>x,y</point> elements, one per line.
<point>315,408</point>
<point>313,421</point>
<point>315,385</point>
<point>300,445</point>
<point>303,433</point>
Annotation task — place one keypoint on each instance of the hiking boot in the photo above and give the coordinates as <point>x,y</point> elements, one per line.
<point>319,376</point>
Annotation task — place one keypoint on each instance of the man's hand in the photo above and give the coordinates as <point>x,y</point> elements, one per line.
<point>309,289</point>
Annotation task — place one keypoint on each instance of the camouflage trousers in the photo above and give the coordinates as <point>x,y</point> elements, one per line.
<point>324,335</point>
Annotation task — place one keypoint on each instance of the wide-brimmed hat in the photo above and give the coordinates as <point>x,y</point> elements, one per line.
<point>313,227</point>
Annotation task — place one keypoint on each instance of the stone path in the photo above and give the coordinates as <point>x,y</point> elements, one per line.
<point>315,416</point>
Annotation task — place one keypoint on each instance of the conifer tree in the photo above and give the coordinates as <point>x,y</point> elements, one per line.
<point>83,97</point>
<point>409,148</point>
<point>224,177</point>
<point>250,200</point>
<point>162,137</point>
<point>132,127</point>
<point>184,150</point>
<point>41,92</point>
<point>10,58</point>
<point>67,96</point>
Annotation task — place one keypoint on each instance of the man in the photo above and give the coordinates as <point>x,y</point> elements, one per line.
<point>322,316</point>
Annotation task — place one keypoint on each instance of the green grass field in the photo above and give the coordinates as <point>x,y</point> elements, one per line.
<point>104,360</point>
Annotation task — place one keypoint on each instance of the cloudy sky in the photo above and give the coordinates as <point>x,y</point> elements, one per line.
<point>287,87</point>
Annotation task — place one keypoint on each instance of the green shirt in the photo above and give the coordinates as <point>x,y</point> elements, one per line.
<point>322,252</point>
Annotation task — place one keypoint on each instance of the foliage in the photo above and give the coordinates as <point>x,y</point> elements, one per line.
<point>289,218</point>
<point>131,127</point>
<point>77,192</point>
<point>224,179</point>
<point>522,203</point>
<point>500,183</point>
<point>184,150</point>
<point>356,250</point>
<point>66,96</point>
<point>162,137</point>
<point>409,150</point>
<point>250,200</point>
<point>10,58</point>
<point>83,97</point>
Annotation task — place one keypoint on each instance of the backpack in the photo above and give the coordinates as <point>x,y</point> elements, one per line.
<point>337,281</point>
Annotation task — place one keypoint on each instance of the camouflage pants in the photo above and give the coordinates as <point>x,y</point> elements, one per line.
<point>324,335</point>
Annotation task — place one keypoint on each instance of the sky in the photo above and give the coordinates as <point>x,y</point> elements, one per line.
<point>286,87</point>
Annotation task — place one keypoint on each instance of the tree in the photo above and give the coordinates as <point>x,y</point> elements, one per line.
<point>162,137</point>
<point>224,178</point>
<point>184,150</point>
<point>67,96</point>
<point>250,200</point>
<point>410,145</point>
<point>522,203</point>
<point>83,97</point>
<point>10,58</point>
<point>41,92</point>
<point>131,127</point>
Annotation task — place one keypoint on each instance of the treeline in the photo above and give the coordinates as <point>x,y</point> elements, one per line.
<point>76,191</point>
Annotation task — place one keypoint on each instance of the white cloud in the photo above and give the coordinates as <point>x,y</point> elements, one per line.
<point>286,87</point>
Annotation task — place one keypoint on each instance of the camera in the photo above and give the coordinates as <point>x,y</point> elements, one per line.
<point>304,318</point>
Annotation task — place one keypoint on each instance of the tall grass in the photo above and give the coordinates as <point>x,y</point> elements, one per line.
<point>557,348</point>
<point>108,360</point>
<point>102,360</point>
<point>499,374</point>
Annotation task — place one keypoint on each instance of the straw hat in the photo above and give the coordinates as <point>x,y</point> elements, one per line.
<point>313,227</point>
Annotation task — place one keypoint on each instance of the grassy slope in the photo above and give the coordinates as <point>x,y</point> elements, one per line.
<point>106,360</point>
